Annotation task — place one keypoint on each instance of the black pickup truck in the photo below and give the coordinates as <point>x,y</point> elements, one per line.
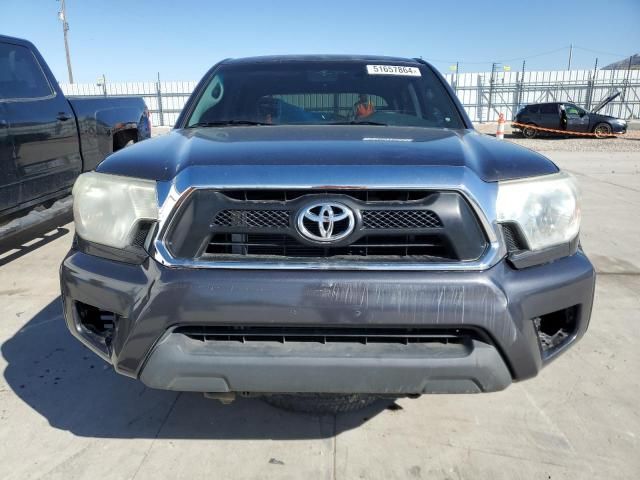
<point>47,140</point>
<point>322,231</point>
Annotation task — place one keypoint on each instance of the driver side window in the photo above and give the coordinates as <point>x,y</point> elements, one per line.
<point>573,110</point>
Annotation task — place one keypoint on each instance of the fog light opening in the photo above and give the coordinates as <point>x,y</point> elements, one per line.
<point>555,329</point>
<point>99,322</point>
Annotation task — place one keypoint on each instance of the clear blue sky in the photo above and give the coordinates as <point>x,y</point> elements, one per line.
<point>181,39</point>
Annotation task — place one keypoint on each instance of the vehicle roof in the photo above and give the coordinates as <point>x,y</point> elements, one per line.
<point>16,40</point>
<point>322,58</point>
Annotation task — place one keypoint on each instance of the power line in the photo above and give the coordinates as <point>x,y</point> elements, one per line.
<point>527,57</point>
<point>504,60</point>
<point>599,52</point>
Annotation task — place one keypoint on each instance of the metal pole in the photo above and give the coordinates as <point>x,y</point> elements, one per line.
<point>479,98</point>
<point>570,55</point>
<point>520,88</point>
<point>159,96</point>
<point>65,29</point>
<point>455,78</point>
<point>623,97</point>
<point>491,82</point>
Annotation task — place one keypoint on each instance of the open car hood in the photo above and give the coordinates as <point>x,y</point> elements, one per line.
<point>604,102</point>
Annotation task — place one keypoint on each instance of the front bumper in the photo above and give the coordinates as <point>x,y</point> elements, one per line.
<point>619,128</point>
<point>150,301</point>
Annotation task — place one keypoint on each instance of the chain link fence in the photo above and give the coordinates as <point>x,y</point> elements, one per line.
<point>484,95</point>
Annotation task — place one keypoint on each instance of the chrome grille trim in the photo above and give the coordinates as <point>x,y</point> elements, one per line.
<point>481,196</point>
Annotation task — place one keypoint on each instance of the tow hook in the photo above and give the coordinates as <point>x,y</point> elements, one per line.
<point>226,398</point>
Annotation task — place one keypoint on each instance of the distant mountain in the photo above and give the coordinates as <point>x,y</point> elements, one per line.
<point>624,64</point>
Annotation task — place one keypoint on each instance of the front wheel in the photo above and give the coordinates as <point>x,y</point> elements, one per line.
<point>529,132</point>
<point>602,130</point>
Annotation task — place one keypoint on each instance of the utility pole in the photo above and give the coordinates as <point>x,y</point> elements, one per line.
<point>570,55</point>
<point>491,84</point>
<point>62,14</point>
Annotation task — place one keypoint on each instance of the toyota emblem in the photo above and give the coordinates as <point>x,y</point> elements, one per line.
<point>325,222</point>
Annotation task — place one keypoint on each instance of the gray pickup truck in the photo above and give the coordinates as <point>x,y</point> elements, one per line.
<point>323,231</point>
<point>47,140</point>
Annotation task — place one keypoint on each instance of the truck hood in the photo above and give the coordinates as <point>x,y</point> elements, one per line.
<point>162,158</point>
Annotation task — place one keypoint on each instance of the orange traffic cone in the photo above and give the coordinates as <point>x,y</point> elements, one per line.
<point>500,132</point>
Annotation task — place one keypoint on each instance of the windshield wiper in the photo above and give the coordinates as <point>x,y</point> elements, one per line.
<point>358,122</point>
<point>227,123</point>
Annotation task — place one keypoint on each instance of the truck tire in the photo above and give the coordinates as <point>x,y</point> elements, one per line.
<point>124,139</point>
<point>320,402</point>
<point>602,130</point>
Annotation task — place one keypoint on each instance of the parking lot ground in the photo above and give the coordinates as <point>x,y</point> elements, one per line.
<point>65,414</point>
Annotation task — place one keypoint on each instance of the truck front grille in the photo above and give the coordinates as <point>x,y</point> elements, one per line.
<point>262,225</point>
<point>424,246</point>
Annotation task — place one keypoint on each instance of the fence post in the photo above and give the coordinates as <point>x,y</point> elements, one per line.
<point>479,94</point>
<point>102,82</point>
<point>491,85</point>
<point>454,78</point>
<point>623,97</point>
<point>159,97</point>
<point>589,94</point>
<point>517,98</point>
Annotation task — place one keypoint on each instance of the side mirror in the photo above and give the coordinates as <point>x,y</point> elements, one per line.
<point>582,114</point>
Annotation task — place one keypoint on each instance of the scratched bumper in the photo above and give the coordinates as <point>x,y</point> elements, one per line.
<point>151,301</point>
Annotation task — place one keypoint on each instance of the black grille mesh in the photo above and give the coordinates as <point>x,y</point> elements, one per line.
<point>513,238</point>
<point>391,219</point>
<point>371,219</point>
<point>252,218</point>
<point>141,234</point>
<point>284,246</point>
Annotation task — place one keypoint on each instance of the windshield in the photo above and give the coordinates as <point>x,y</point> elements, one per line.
<point>323,93</point>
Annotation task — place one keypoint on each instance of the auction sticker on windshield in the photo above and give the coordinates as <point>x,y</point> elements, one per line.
<point>393,70</point>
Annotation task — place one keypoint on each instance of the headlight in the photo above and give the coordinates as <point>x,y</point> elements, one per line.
<point>547,209</point>
<point>107,208</point>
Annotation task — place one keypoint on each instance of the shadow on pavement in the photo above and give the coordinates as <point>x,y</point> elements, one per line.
<point>18,251</point>
<point>78,392</point>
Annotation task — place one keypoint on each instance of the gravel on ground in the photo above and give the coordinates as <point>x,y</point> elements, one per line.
<point>629,142</point>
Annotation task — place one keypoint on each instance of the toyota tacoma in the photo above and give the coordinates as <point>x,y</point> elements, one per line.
<point>324,231</point>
